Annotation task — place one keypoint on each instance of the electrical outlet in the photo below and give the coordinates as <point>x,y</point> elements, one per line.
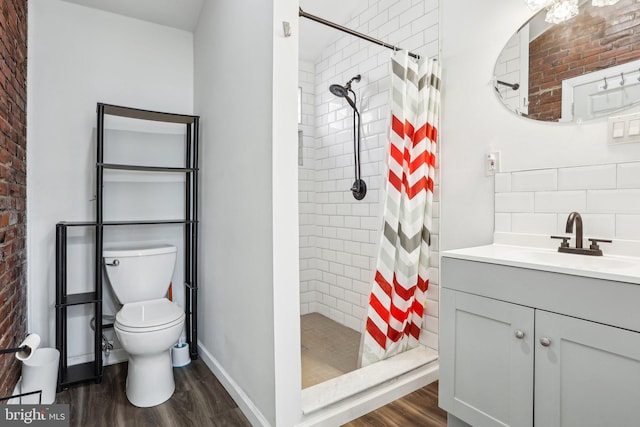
<point>492,163</point>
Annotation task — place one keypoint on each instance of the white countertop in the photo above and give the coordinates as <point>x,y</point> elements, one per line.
<point>621,260</point>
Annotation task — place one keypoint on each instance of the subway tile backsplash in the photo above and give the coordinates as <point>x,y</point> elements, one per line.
<point>539,201</point>
<point>587,177</point>
<point>537,180</point>
<point>628,175</point>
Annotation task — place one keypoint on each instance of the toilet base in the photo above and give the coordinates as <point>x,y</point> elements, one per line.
<point>150,379</point>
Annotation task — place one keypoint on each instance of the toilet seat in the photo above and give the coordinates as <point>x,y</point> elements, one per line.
<point>148,316</point>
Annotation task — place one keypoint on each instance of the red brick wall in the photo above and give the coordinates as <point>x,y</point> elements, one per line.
<point>13,189</point>
<point>599,37</point>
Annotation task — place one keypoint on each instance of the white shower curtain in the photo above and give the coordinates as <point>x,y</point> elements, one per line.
<point>398,296</point>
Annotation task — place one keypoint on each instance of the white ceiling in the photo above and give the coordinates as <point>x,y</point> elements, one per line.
<point>184,14</point>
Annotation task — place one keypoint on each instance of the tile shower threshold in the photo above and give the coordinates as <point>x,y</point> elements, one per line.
<point>347,385</point>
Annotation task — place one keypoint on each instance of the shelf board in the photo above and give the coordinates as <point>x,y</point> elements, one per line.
<point>111,223</point>
<point>135,113</point>
<point>77,299</point>
<point>143,177</point>
<point>77,223</point>
<point>150,222</point>
<point>145,168</point>
<point>78,373</point>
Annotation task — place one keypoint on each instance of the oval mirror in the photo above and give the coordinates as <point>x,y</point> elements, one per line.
<point>580,69</point>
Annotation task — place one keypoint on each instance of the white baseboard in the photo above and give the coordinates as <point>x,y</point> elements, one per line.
<point>245,404</point>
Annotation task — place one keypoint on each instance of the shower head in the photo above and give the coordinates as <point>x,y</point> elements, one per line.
<point>339,91</point>
<point>343,91</point>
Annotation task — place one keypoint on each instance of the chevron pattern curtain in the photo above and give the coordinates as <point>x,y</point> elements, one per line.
<point>398,296</point>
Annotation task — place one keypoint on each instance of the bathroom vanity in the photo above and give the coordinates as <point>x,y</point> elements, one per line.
<point>533,337</point>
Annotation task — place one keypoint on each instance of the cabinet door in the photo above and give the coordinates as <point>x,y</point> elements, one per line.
<point>486,360</point>
<point>586,374</point>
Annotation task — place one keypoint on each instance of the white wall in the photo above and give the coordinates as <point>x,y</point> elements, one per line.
<point>474,122</point>
<point>346,232</point>
<point>246,85</point>
<point>77,57</point>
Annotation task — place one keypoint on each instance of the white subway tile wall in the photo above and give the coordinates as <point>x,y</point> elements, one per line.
<point>607,196</point>
<point>587,177</point>
<point>339,235</point>
<point>544,179</point>
<point>306,187</point>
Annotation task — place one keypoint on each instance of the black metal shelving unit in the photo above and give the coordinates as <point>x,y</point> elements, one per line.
<point>92,371</point>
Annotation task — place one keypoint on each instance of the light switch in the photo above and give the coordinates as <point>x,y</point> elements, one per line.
<point>624,129</point>
<point>618,129</point>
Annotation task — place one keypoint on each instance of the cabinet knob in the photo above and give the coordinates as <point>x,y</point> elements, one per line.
<point>519,334</point>
<point>545,342</point>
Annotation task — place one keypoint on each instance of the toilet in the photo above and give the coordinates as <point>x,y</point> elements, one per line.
<point>148,324</point>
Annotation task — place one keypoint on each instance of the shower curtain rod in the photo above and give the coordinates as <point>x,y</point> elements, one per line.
<point>349,31</point>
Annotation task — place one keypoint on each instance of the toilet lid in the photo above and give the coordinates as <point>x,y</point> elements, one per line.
<point>149,314</point>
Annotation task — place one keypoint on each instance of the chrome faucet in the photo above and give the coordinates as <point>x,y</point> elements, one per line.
<point>593,249</point>
<point>575,217</point>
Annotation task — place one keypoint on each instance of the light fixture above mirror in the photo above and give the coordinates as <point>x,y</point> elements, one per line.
<point>562,10</point>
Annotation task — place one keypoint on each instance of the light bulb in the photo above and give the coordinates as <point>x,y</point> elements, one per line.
<point>561,11</point>
<point>538,4</point>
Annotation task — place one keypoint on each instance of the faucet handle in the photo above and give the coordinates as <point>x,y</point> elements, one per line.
<point>594,243</point>
<point>565,240</point>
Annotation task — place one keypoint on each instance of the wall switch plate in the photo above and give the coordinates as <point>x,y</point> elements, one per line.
<point>492,163</point>
<point>624,129</point>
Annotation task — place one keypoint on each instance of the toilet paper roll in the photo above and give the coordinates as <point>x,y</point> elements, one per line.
<point>29,346</point>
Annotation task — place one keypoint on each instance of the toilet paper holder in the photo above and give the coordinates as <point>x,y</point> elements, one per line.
<point>26,348</point>
<point>12,350</point>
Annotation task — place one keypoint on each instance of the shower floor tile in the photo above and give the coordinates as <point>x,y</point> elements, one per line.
<point>329,349</point>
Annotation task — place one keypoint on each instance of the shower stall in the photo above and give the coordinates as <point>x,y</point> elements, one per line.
<point>343,145</point>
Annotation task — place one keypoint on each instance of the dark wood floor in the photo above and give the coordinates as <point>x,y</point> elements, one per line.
<point>418,409</point>
<point>200,400</point>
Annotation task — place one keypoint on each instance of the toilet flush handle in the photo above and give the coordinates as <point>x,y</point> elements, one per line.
<point>115,263</point>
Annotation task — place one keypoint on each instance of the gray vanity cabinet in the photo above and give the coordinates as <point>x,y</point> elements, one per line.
<point>507,362</point>
<point>486,372</point>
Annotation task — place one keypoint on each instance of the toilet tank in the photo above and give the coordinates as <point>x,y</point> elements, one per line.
<point>141,273</point>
